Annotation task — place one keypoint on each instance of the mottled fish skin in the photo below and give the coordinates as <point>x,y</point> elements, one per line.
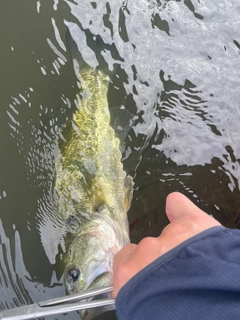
<point>90,170</point>
<point>92,190</point>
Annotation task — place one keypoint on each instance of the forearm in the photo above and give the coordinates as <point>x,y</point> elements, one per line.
<point>198,279</point>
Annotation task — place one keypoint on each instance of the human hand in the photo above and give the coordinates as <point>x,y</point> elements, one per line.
<point>186,220</point>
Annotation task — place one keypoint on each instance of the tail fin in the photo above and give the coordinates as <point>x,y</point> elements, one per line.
<point>88,50</point>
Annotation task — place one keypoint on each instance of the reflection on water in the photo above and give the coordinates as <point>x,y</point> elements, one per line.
<point>17,286</point>
<point>176,78</point>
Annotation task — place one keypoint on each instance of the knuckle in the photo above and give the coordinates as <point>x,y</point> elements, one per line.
<point>147,243</point>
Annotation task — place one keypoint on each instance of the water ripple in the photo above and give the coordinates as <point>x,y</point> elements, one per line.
<point>174,67</point>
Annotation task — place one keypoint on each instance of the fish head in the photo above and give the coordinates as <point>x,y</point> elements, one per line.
<point>90,256</point>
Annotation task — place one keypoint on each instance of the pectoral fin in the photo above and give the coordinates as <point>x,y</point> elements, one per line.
<point>120,120</point>
<point>128,188</point>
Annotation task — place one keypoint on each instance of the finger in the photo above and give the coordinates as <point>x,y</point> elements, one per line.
<point>177,206</point>
<point>121,271</point>
<point>124,254</point>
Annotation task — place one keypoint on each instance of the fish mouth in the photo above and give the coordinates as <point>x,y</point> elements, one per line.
<point>88,314</point>
<point>103,280</point>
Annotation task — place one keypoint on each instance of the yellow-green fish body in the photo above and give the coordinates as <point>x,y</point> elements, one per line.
<point>93,192</point>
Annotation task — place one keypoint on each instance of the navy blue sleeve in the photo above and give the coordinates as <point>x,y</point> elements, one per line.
<point>198,279</point>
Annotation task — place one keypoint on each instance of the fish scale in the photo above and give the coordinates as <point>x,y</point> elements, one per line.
<point>87,164</point>
<point>93,193</point>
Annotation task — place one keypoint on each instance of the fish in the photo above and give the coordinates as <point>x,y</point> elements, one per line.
<point>93,191</point>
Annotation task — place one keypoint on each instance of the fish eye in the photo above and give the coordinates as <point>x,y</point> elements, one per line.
<point>73,274</point>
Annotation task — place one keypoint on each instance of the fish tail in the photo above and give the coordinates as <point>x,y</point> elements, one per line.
<point>88,51</point>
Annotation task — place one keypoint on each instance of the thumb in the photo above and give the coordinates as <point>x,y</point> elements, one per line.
<point>177,205</point>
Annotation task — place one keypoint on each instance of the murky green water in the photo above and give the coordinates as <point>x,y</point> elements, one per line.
<point>178,83</point>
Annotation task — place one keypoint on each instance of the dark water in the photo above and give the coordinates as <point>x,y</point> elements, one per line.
<point>178,82</point>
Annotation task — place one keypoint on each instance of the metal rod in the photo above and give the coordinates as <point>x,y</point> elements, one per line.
<point>58,305</point>
<point>35,311</point>
<point>76,297</point>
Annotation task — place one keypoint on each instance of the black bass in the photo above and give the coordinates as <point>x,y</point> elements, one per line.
<point>93,192</point>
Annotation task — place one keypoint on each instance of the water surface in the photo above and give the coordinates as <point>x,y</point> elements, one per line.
<point>175,93</point>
